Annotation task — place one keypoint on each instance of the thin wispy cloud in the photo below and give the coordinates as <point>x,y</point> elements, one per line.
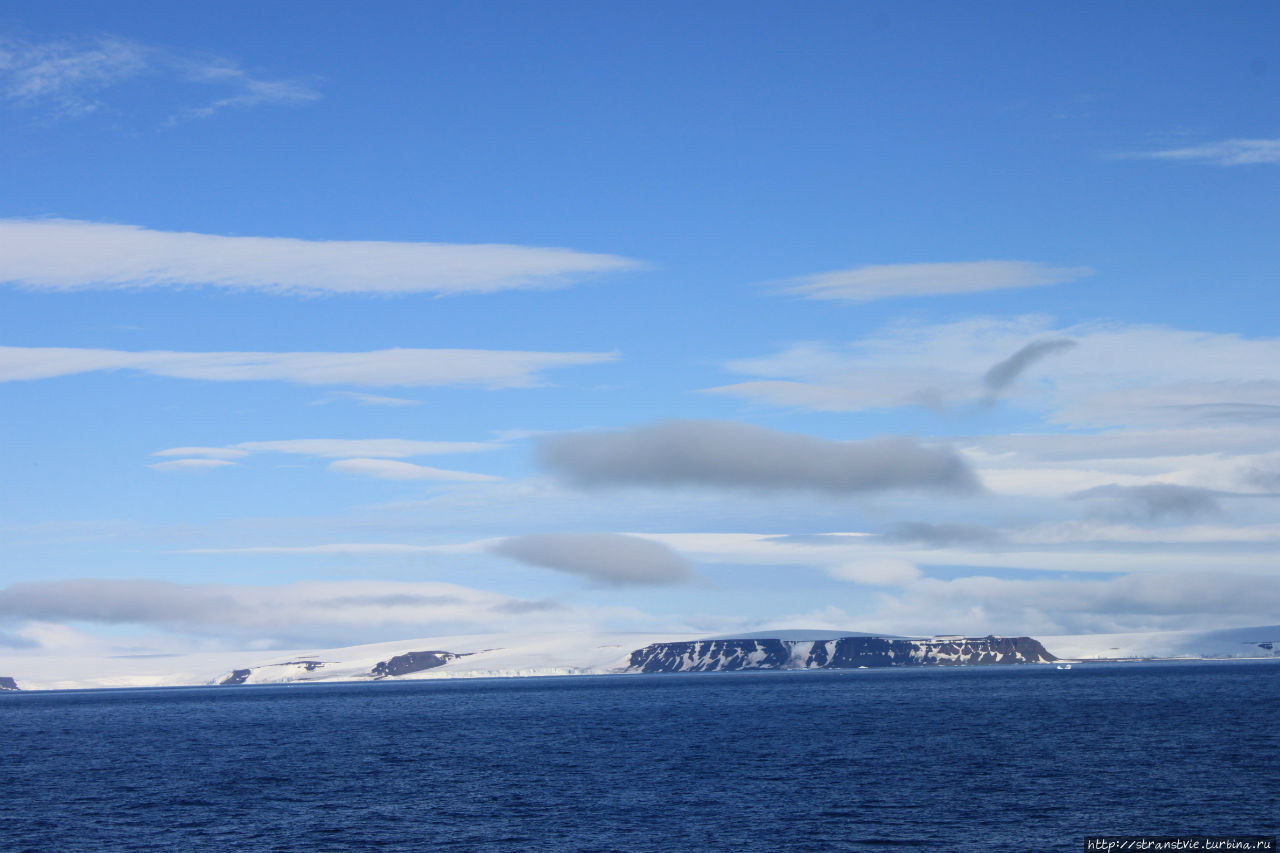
<point>67,255</point>
<point>379,448</point>
<point>65,78</point>
<point>191,465</point>
<point>366,399</point>
<point>1226,152</point>
<point>249,92</point>
<point>394,469</point>
<point>407,367</point>
<point>204,452</point>
<point>340,548</point>
<point>369,457</point>
<point>864,284</point>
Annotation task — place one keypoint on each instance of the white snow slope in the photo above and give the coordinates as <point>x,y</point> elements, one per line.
<point>508,655</point>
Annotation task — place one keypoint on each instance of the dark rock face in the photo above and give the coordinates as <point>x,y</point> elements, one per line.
<point>412,662</point>
<point>7,683</point>
<point>238,676</point>
<point>711,656</point>
<point>842,653</point>
<point>309,665</point>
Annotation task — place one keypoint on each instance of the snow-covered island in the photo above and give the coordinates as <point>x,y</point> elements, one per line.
<point>510,655</point>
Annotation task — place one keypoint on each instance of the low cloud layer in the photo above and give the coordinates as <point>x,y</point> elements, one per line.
<point>314,612</point>
<point>1134,602</point>
<point>409,367</point>
<point>60,254</point>
<point>864,284</point>
<point>610,558</point>
<point>726,455</point>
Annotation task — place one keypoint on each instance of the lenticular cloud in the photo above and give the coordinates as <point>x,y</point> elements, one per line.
<point>723,454</point>
<point>64,254</point>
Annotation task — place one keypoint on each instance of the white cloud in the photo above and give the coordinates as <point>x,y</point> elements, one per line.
<point>887,571</point>
<point>248,91</point>
<point>1226,152</point>
<point>348,548</point>
<point>66,75</point>
<point>382,448</point>
<point>1047,549</point>
<point>1228,459</point>
<point>206,452</point>
<point>62,255</point>
<point>1134,602</point>
<point>390,469</point>
<point>1114,375</point>
<point>863,284</point>
<point>370,457</point>
<point>1098,531</point>
<point>409,367</point>
<point>69,77</point>
<point>367,399</point>
<point>191,465</point>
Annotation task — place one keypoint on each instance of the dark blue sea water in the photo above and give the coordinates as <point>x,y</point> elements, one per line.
<point>968,759</point>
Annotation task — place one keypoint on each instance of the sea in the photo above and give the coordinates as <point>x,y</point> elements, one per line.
<point>997,758</point>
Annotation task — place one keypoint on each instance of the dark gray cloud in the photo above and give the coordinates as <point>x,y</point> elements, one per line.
<point>942,535</point>
<point>519,607</point>
<point>1265,476</point>
<point>611,558</point>
<point>724,454</point>
<point>1153,501</point>
<point>1003,373</point>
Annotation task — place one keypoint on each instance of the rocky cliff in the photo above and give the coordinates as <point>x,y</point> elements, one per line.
<point>7,683</point>
<point>412,662</point>
<point>315,670</point>
<point>841,653</point>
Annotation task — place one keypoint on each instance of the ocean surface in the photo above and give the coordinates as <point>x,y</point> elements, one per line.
<point>1019,758</point>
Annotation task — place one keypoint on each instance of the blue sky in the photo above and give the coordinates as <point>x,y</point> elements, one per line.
<point>891,317</point>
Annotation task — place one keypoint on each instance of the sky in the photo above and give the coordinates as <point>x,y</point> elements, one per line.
<point>325,323</point>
